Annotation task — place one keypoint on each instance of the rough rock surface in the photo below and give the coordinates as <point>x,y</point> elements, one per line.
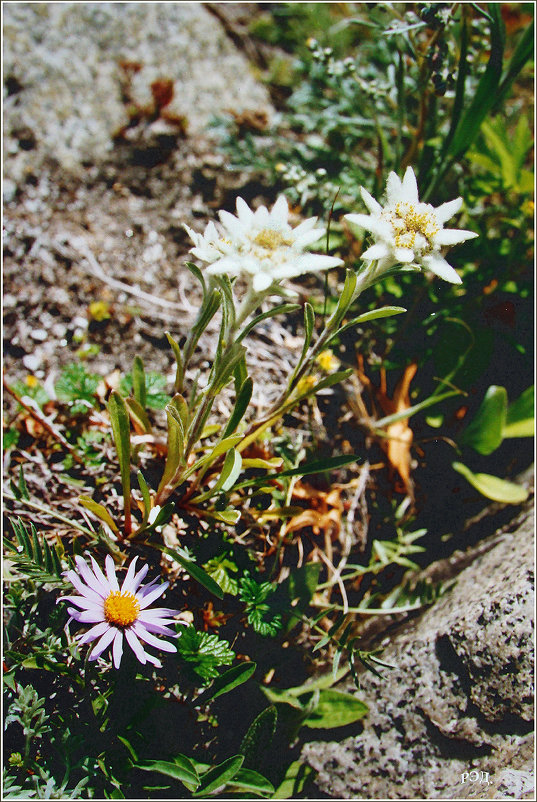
<point>459,699</point>
<point>62,94</point>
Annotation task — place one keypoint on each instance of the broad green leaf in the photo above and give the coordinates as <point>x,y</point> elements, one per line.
<point>257,462</point>
<point>241,405</point>
<point>194,570</point>
<point>219,775</point>
<point>181,769</point>
<point>138,381</point>
<point>226,682</point>
<point>335,709</point>
<point>492,486</point>
<point>484,433</point>
<point>296,777</point>
<point>259,736</point>
<point>119,418</point>
<point>253,781</point>
<point>226,516</point>
<point>99,510</point>
<point>230,471</point>
<point>520,418</point>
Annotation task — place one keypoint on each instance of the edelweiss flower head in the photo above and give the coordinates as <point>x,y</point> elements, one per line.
<point>407,231</point>
<point>260,245</point>
<point>117,614</point>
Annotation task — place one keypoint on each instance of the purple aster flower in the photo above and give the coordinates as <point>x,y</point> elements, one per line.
<point>119,614</point>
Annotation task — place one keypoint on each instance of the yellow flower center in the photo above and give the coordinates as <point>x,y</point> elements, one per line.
<point>408,222</point>
<point>121,609</point>
<point>269,239</point>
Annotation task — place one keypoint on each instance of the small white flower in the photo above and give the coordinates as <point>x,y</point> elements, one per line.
<point>117,614</point>
<point>260,245</point>
<point>409,232</point>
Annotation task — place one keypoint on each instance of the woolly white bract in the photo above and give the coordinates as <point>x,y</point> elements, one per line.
<point>409,232</point>
<point>119,614</point>
<point>260,245</point>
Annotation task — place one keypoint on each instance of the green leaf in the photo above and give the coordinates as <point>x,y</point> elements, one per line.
<point>484,433</point>
<point>320,466</point>
<point>198,274</point>
<point>309,327</point>
<point>520,418</point>
<point>99,510</point>
<point>219,775</point>
<point>219,569</point>
<point>75,385</point>
<point>484,96</point>
<point>253,781</point>
<point>119,418</point>
<point>296,777</point>
<point>176,412</point>
<point>241,405</point>
<point>375,314</point>
<point>282,309</point>
<point>138,415</point>
<point>181,769</point>
<point>191,568</point>
<point>230,471</point>
<point>407,413</point>
<point>146,497</point>
<point>155,383</point>
<point>302,582</point>
<point>225,683</point>
<point>179,367</point>
<point>138,381</point>
<point>335,709</point>
<point>259,737</point>
<point>204,652</point>
<point>492,487</point>
<point>344,299</point>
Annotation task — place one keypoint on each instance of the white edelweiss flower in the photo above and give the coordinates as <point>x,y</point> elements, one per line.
<point>261,245</point>
<point>409,232</point>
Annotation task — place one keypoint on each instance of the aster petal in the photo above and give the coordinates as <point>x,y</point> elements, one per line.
<point>81,601</point>
<point>83,589</point>
<point>133,586</point>
<point>374,207</point>
<point>410,186</point>
<point>117,649</point>
<point>447,210</point>
<point>244,212</point>
<point>94,633</point>
<point>146,599</point>
<point>127,582</point>
<point>150,659</point>
<point>161,612</point>
<point>111,572</point>
<point>280,211</point>
<point>452,236</point>
<point>103,642</point>
<point>86,616</point>
<point>262,281</point>
<point>377,251</point>
<point>146,636</point>
<point>100,576</point>
<point>89,577</point>
<point>153,626</point>
<point>438,265</point>
<point>136,646</point>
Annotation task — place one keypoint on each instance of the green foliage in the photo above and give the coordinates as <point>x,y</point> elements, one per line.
<point>28,710</point>
<point>33,390</point>
<point>221,569</point>
<point>203,653</point>
<point>33,556</point>
<point>153,389</point>
<point>76,387</point>
<point>261,614</point>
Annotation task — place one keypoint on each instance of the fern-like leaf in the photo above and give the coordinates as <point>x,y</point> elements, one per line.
<point>33,556</point>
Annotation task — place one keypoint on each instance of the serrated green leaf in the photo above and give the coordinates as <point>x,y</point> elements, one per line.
<point>219,568</point>
<point>204,652</point>
<point>492,486</point>
<point>99,510</point>
<point>484,433</point>
<point>219,775</point>
<point>225,683</point>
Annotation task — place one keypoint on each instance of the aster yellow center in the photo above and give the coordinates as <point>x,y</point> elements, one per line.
<point>269,239</point>
<point>121,609</point>
<point>409,222</point>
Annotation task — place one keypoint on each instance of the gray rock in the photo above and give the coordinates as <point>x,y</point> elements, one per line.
<point>62,96</point>
<point>460,698</point>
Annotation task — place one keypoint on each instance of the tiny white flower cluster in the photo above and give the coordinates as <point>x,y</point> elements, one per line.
<point>260,245</point>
